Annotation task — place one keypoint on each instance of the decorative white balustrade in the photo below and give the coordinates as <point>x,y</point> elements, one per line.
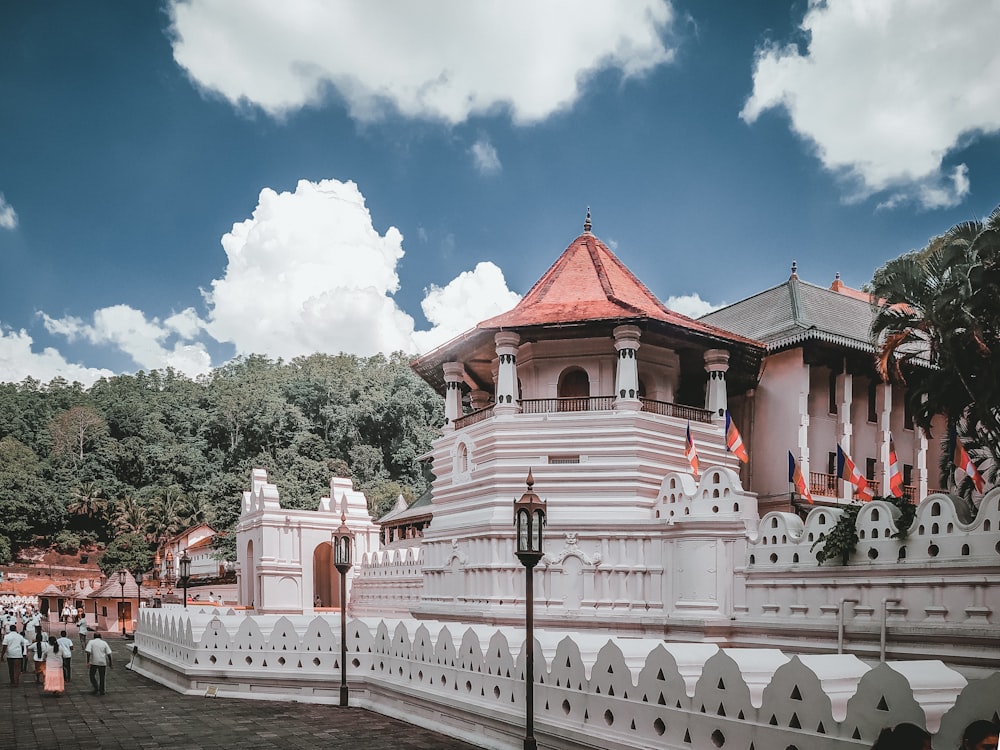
<point>591,691</point>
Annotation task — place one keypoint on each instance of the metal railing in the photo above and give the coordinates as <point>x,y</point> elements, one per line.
<point>667,409</point>
<point>573,403</point>
<point>589,403</point>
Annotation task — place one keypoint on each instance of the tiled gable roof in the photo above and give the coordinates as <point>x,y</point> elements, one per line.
<point>796,311</point>
<point>589,283</point>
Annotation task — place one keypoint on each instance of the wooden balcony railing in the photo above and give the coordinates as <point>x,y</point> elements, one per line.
<point>573,403</point>
<point>473,417</point>
<point>826,485</point>
<point>589,403</point>
<point>667,409</point>
<point>823,484</point>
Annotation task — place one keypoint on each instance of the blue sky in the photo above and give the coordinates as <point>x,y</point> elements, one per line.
<point>186,181</point>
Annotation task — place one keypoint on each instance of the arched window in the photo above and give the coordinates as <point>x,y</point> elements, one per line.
<point>462,459</point>
<point>574,390</point>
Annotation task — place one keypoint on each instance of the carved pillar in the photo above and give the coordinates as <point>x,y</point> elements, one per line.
<point>716,365</point>
<point>920,478</point>
<point>802,436</point>
<point>844,396</point>
<point>883,404</point>
<point>627,374</point>
<point>506,401</point>
<point>454,373</point>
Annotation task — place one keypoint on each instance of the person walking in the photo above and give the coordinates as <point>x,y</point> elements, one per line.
<point>66,644</point>
<point>54,681</point>
<point>81,623</point>
<point>13,650</point>
<point>98,660</point>
<point>39,652</point>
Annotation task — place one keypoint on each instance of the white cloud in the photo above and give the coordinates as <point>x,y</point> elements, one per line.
<point>8,217</point>
<point>309,273</point>
<point>484,157</point>
<point>18,361</point>
<point>467,299</point>
<point>691,305</point>
<point>886,90</point>
<point>144,340</point>
<point>436,59</point>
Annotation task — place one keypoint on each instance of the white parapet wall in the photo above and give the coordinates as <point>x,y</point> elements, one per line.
<point>592,690</point>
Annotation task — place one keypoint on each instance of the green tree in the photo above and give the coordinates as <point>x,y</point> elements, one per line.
<point>128,552</point>
<point>28,506</point>
<point>939,306</point>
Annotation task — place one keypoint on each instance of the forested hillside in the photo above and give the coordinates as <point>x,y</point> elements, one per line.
<point>153,453</point>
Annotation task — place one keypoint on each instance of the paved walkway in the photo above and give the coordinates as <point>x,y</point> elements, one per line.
<point>139,714</point>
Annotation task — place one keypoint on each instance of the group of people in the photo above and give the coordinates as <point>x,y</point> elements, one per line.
<point>979,735</point>
<point>50,658</point>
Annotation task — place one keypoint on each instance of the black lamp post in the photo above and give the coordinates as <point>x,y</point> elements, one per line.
<point>343,541</point>
<point>185,575</point>
<point>121,608</point>
<point>138,595</point>
<point>529,518</point>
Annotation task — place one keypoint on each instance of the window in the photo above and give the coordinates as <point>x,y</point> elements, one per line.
<point>833,393</point>
<point>831,463</point>
<point>907,413</point>
<point>872,408</point>
<point>907,475</point>
<point>870,469</point>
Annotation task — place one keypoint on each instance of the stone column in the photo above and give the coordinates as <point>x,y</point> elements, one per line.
<point>506,401</point>
<point>883,406</point>
<point>802,435</point>
<point>845,393</point>
<point>920,477</point>
<point>716,365</point>
<point>454,374</point>
<point>627,374</point>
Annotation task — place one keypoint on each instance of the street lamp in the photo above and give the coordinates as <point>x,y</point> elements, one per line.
<point>529,518</point>
<point>185,575</point>
<point>121,608</point>
<point>343,540</point>
<point>137,574</point>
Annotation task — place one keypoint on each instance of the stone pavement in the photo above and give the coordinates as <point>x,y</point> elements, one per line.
<point>139,714</point>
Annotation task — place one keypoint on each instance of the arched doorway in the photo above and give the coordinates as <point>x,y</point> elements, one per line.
<point>326,580</point>
<point>574,390</point>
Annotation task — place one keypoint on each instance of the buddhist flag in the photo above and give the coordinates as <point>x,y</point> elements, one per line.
<point>691,453</point>
<point>964,462</point>
<point>895,475</point>
<point>734,441</point>
<point>847,471</point>
<point>796,478</point>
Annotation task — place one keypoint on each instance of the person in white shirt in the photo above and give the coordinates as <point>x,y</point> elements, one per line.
<point>99,661</point>
<point>66,645</point>
<point>13,650</point>
<point>82,624</point>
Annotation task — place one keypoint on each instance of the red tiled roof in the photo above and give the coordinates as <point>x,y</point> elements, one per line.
<point>588,283</point>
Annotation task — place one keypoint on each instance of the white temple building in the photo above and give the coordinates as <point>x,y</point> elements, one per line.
<point>674,609</point>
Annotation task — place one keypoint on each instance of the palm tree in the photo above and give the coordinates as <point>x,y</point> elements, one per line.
<point>940,306</point>
<point>131,518</point>
<point>87,500</point>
